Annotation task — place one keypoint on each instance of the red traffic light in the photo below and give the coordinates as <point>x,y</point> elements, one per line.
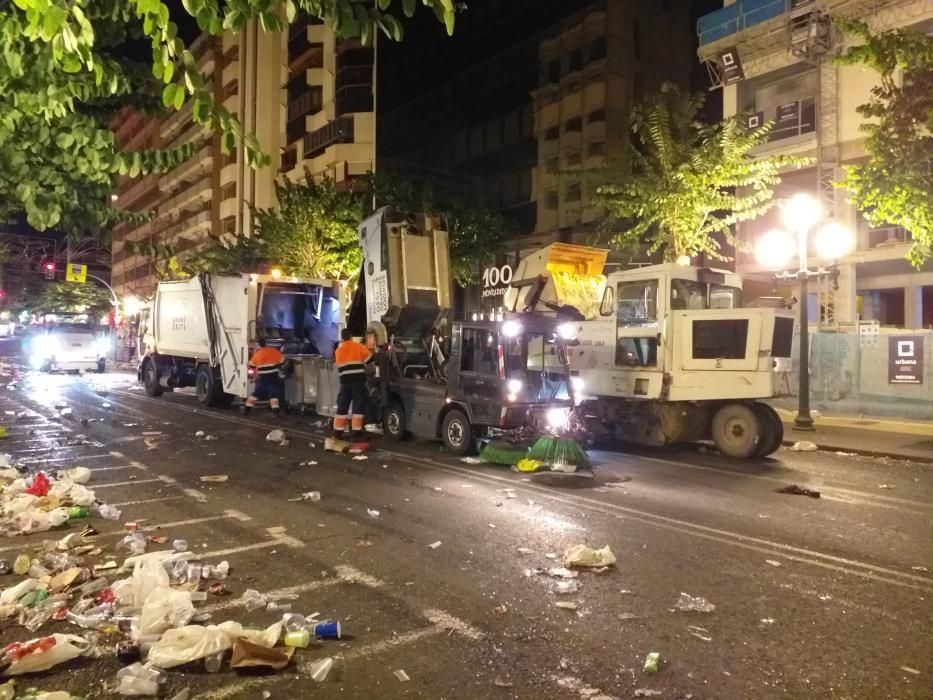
<point>2,294</point>
<point>50,266</point>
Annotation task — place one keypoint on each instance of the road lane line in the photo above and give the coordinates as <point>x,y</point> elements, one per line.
<point>278,593</point>
<point>382,645</point>
<point>60,459</point>
<point>143,501</point>
<point>828,561</point>
<point>132,482</point>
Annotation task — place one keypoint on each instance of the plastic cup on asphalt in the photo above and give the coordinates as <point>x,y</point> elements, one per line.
<point>327,630</point>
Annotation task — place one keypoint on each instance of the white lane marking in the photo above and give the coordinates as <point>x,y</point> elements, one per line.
<point>132,482</point>
<point>446,621</point>
<point>278,542</point>
<point>353,575</point>
<point>75,459</point>
<point>378,647</point>
<point>146,500</point>
<point>95,470</point>
<point>167,479</point>
<point>237,515</point>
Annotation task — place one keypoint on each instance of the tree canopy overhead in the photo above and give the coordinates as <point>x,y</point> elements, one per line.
<point>66,71</point>
<point>893,185</point>
<point>683,182</point>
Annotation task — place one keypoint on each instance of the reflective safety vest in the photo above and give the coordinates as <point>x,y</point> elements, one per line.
<point>349,359</point>
<point>267,360</point>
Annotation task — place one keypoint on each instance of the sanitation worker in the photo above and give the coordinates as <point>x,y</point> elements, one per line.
<point>350,359</point>
<point>269,364</point>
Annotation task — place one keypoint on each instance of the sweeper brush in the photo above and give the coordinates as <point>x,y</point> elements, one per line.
<point>562,453</point>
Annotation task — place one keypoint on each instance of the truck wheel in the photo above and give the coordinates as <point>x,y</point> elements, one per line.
<point>736,430</point>
<point>772,430</point>
<point>151,379</point>
<point>101,366</point>
<point>457,432</point>
<point>394,421</point>
<point>208,387</point>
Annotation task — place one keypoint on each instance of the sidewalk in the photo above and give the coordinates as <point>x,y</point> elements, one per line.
<point>877,437</point>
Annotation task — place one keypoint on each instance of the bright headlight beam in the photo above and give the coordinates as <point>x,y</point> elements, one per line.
<point>511,329</point>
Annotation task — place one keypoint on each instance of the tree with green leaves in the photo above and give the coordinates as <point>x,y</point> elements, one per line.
<point>71,297</point>
<point>683,184</point>
<point>894,184</point>
<point>68,67</point>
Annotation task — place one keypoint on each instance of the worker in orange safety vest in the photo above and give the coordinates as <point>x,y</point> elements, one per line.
<point>350,359</point>
<point>270,381</point>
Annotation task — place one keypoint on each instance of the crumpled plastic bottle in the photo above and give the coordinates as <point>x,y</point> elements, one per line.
<point>687,603</point>
<point>139,679</point>
<point>135,543</point>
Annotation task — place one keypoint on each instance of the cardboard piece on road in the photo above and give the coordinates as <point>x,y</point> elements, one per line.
<point>249,655</point>
<point>63,580</point>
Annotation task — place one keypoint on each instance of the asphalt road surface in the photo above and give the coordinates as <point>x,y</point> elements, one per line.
<point>814,598</point>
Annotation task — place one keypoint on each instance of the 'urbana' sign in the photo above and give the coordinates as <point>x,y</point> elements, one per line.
<point>905,359</point>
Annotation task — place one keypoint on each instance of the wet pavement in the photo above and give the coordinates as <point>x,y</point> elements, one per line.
<point>819,597</point>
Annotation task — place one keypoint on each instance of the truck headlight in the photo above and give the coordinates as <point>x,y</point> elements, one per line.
<point>557,418</point>
<point>567,331</point>
<point>514,386</point>
<point>578,384</point>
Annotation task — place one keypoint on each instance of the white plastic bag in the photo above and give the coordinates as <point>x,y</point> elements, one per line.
<point>66,648</point>
<point>79,475</point>
<point>183,645</point>
<point>34,521</point>
<point>81,495</point>
<point>148,576</point>
<point>14,593</point>
<point>581,555</point>
<point>165,608</point>
<point>19,504</point>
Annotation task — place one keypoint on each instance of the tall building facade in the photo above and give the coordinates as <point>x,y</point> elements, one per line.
<point>774,61</point>
<point>306,96</point>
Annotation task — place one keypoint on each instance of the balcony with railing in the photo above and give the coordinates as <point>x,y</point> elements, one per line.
<point>338,131</point>
<point>741,15</point>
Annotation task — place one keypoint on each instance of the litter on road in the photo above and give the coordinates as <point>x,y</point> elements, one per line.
<point>652,662</point>
<point>804,446</point>
<point>401,675</point>
<point>434,545</point>
<point>795,490</point>
<point>687,603</point>
<point>215,479</point>
<point>581,555</point>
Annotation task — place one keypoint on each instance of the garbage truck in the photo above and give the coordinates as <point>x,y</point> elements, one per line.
<point>439,377</point>
<point>200,332</point>
<point>666,352</point>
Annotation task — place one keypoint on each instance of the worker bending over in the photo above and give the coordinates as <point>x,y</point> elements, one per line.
<point>270,380</point>
<point>351,358</point>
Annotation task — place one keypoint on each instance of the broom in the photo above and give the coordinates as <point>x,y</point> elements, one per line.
<point>564,454</point>
<point>503,453</point>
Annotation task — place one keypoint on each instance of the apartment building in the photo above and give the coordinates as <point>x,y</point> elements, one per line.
<point>593,66</point>
<point>774,62</point>
<point>306,96</point>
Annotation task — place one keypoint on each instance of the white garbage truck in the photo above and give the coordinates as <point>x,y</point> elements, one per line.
<point>666,352</point>
<point>201,332</point>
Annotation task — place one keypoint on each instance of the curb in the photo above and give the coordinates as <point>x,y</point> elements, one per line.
<point>866,453</point>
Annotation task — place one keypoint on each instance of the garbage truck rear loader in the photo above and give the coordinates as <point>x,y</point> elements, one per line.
<point>666,353</point>
<point>200,332</point>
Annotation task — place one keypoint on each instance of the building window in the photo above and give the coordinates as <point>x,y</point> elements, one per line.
<point>595,148</point>
<point>574,159</point>
<point>574,124</point>
<point>553,70</point>
<point>789,103</point>
<point>229,224</point>
<point>597,49</point>
<point>552,133</point>
<point>574,192</point>
<point>228,191</point>
<point>552,164</point>
<point>576,59</point>
<point>597,115</point>
<point>550,200</point>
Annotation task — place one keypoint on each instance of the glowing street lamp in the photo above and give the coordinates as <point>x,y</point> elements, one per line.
<point>131,305</point>
<point>801,214</point>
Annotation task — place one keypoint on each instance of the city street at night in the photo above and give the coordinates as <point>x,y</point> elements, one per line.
<point>442,569</point>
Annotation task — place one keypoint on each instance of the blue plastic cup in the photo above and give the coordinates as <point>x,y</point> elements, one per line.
<point>327,630</point>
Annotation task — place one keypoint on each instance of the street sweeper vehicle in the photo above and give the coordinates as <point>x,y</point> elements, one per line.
<point>460,381</point>
<point>666,352</point>
<point>201,332</point>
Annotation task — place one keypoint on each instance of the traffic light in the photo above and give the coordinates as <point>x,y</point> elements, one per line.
<point>2,294</point>
<point>49,268</point>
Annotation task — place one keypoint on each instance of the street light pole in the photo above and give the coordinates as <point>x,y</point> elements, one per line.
<point>804,421</point>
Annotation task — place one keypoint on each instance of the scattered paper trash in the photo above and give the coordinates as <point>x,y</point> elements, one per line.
<point>581,555</point>
<point>200,434</point>
<point>360,458</point>
<point>567,587</point>
<point>699,633</point>
<point>249,655</point>
<point>313,496</point>
<point>804,446</point>
<point>687,603</point>
<point>647,693</point>
<point>885,486</point>
<point>561,572</point>
<point>565,605</point>
<point>772,562</point>
<point>401,675</point>
<point>795,490</point>
<point>277,436</point>
<point>372,513</point>
<point>909,669</point>
<point>215,479</point>
<point>335,445</point>
<point>921,569</point>
<point>434,545</point>
<point>471,460</point>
